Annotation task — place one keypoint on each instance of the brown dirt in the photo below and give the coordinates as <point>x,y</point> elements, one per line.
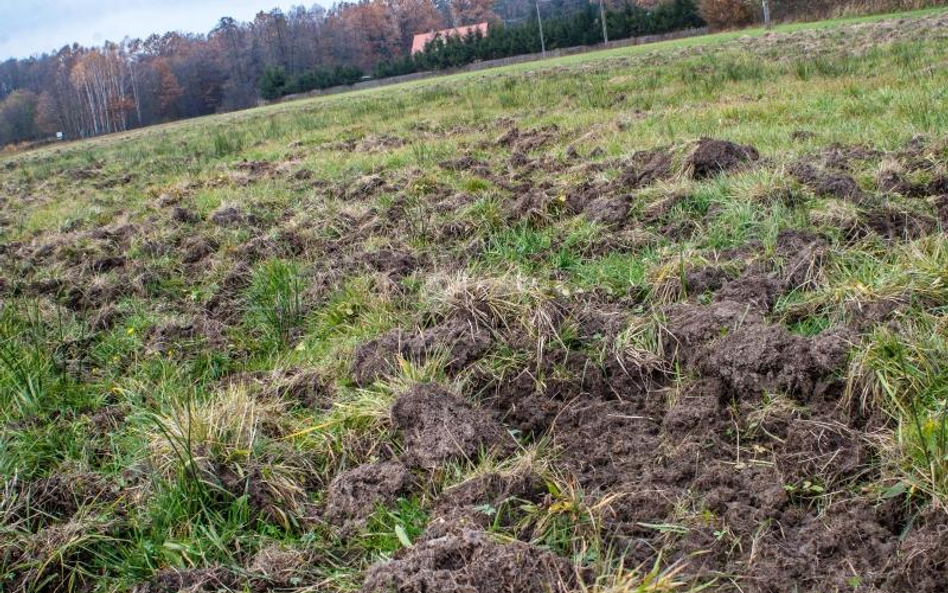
<point>39,561</point>
<point>108,263</point>
<point>437,426</point>
<point>530,398</point>
<point>106,318</point>
<point>225,304</point>
<point>894,224</point>
<point>459,341</point>
<point>196,249</point>
<point>922,562</point>
<point>93,294</point>
<point>634,505</point>
<point>279,567</point>
<point>765,358</point>
<point>526,141</point>
<point>602,442</point>
<point>59,497</point>
<point>823,552</point>
<point>609,210</point>
<point>645,168</point>
<point>691,326</point>
<point>598,320</point>
<point>365,187</point>
<point>828,183</point>
<point>940,203</point>
<point>754,289</point>
<point>471,562</point>
<point>478,503</point>
<point>803,254</point>
<point>306,388</point>
<point>184,215</point>
<point>228,215</point>
<point>353,496</point>
<point>824,452</point>
<point>198,580</point>
<point>465,163</point>
<point>894,181</point>
<point>183,334</point>
<point>266,501</point>
<point>711,157</point>
<point>841,157</point>
<point>705,279</point>
<point>532,205</point>
<point>395,263</point>
<point>744,497</point>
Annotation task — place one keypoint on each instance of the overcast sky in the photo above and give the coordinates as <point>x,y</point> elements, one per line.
<point>29,27</point>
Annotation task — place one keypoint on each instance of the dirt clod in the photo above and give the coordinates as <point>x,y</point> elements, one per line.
<point>437,426</point>
<point>471,562</point>
<point>608,210</point>
<point>763,358</point>
<point>458,341</point>
<point>711,157</point>
<point>199,580</point>
<point>354,495</point>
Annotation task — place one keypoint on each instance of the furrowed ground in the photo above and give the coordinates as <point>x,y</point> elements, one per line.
<point>659,319</point>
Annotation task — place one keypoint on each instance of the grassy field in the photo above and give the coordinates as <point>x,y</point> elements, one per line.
<point>662,318</point>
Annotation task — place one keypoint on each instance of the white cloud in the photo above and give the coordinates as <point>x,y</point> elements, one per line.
<point>29,27</point>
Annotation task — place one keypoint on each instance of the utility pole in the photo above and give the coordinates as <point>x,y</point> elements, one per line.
<point>602,17</point>
<point>540,22</point>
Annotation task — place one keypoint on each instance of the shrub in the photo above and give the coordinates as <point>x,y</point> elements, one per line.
<point>273,83</point>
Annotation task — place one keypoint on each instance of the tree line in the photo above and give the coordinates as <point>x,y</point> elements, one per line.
<point>85,91</point>
<point>580,26</point>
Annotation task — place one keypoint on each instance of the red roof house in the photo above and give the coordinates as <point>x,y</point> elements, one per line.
<point>421,40</point>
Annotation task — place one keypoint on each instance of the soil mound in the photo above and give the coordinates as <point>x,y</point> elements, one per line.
<point>823,452</point>
<point>711,157</point>
<point>894,224</point>
<point>754,289</point>
<point>437,426</point>
<point>831,184</point>
<point>705,279</point>
<point>646,167</point>
<point>609,210</point>
<point>803,254</point>
<point>482,501</point>
<point>58,497</point>
<point>284,567</point>
<point>605,442</point>
<point>307,388</point>
<point>460,342</point>
<point>199,580</point>
<point>846,545</point>
<point>471,562</point>
<point>692,325</point>
<point>922,565</point>
<point>227,215</point>
<point>763,358</point>
<point>530,397</point>
<point>354,495</point>
<point>196,249</point>
<point>395,263</point>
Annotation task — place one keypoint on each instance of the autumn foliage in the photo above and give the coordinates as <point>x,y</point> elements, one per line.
<point>726,14</point>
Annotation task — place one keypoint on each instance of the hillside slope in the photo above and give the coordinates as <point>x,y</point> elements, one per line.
<point>652,321</point>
